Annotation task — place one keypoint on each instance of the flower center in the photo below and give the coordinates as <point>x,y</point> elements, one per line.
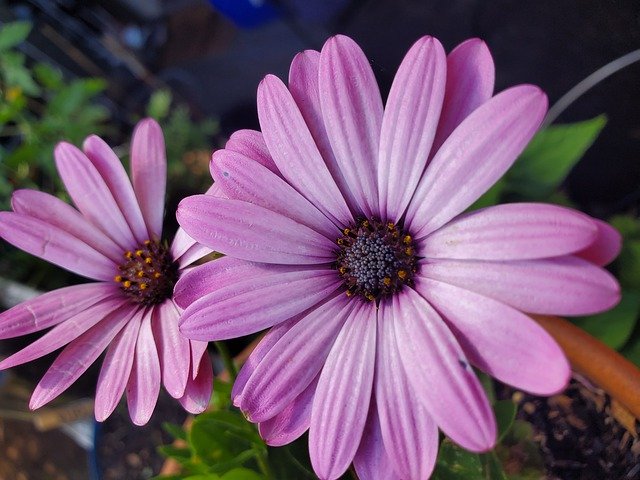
<point>148,274</point>
<point>375,259</point>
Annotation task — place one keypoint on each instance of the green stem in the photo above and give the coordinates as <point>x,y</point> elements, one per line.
<point>227,360</point>
<point>263,465</point>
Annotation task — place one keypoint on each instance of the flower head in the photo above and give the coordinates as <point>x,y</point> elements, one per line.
<point>113,236</point>
<point>344,231</point>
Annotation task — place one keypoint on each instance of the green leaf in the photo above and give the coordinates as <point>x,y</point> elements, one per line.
<point>505,411</point>
<point>550,156</point>
<point>454,463</point>
<point>51,78</point>
<point>16,74</point>
<point>241,474</point>
<point>203,476</point>
<point>176,431</point>
<point>221,397</point>
<point>14,33</point>
<point>492,468</point>
<point>159,104</point>
<point>176,453</point>
<point>615,326</point>
<point>291,461</point>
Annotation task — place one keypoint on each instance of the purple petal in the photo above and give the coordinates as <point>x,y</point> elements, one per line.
<point>195,253</point>
<point>516,231</point>
<point>500,340</point>
<point>91,194</point>
<point>475,156</point>
<point>294,361</point>
<point>65,332</point>
<point>255,304</point>
<point>173,349</point>
<point>352,112</point>
<point>55,246</point>
<point>304,88</point>
<point>250,143</point>
<point>198,392</point>
<point>440,374</point>
<point>76,357</point>
<point>606,246</point>
<point>372,461</point>
<point>149,173</point>
<point>55,212</point>
<point>111,170</point>
<point>470,81</point>
<point>243,179</point>
<point>51,308</point>
<point>116,368</point>
<point>410,435</point>
<point>409,124</point>
<point>291,422</point>
<point>342,398</point>
<point>295,152</point>
<point>555,286</point>
<point>144,383</point>
<point>198,350</point>
<point>250,232</point>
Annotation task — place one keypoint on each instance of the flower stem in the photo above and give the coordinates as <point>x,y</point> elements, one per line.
<point>227,360</point>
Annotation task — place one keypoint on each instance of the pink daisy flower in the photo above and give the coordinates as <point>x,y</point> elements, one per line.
<point>344,230</point>
<point>114,237</point>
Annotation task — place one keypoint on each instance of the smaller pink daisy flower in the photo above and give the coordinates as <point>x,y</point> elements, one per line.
<point>115,238</point>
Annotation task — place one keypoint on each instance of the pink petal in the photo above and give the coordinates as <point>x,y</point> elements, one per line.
<point>352,112</point>
<point>198,350</point>
<point>294,151</point>
<point>440,374</point>
<point>409,124</point>
<point>51,308</point>
<point>475,156</point>
<point>255,304</point>
<point>294,361</point>
<point>372,461</point>
<point>291,422</point>
<point>182,242</point>
<point>555,286</point>
<point>116,368</point>
<point>341,402</point>
<point>111,170</point>
<point>250,232</point>
<point>241,178</point>
<point>173,349</point>
<point>516,231</point>
<point>65,332</point>
<point>91,194</point>
<point>195,253</point>
<point>55,212</point>
<point>55,246</point>
<point>500,340</point>
<point>470,80</point>
<point>606,246</point>
<point>144,382</point>
<point>76,357</point>
<point>197,394</point>
<point>184,248</point>
<point>250,143</point>
<point>149,173</point>
<point>410,435</point>
<point>304,88</point>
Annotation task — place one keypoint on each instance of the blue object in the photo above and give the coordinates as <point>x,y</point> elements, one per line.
<point>246,13</point>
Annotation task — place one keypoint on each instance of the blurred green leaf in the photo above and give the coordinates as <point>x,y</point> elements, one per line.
<point>241,474</point>
<point>50,78</point>
<point>505,411</point>
<point>15,74</point>
<point>176,431</point>
<point>491,466</point>
<point>291,461</point>
<point>221,397</point>
<point>177,453</point>
<point>159,104</point>
<point>455,463</point>
<point>14,33</point>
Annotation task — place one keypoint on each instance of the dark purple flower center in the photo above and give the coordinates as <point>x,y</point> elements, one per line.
<point>375,259</point>
<point>148,274</point>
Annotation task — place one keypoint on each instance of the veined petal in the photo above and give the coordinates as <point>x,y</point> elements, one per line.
<point>440,374</point>
<point>606,246</point>
<point>243,179</point>
<point>499,339</point>
<point>554,286</point>
<point>110,168</point>
<point>91,194</point>
<point>76,357</point>
<point>55,246</point>
<point>475,156</point>
<point>198,392</point>
<point>52,308</point>
<point>515,231</point>
<point>198,350</point>
<point>250,232</point>
<point>470,81</point>
<point>149,173</point>
<point>195,253</point>
<point>295,152</point>
<point>55,212</point>
<point>341,401</point>
<point>173,349</point>
<point>409,124</point>
<point>352,112</point>
<point>144,384</point>
<point>250,143</point>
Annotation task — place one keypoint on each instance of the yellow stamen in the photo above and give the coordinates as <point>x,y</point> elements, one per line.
<point>402,274</point>
<point>386,281</point>
<point>126,284</point>
<point>147,242</point>
<point>340,241</point>
<point>408,251</point>
<point>117,278</point>
<point>157,275</point>
<point>148,260</point>
<point>407,239</point>
<point>349,293</point>
<point>143,286</point>
<point>140,274</point>
<point>346,231</point>
<point>342,270</point>
<point>370,297</point>
<point>139,253</point>
<point>128,254</point>
<point>391,226</point>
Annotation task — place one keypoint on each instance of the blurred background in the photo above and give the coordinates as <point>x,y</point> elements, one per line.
<point>74,67</point>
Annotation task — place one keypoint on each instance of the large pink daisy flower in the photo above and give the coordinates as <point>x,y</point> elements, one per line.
<point>114,237</point>
<point>344,230</point>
